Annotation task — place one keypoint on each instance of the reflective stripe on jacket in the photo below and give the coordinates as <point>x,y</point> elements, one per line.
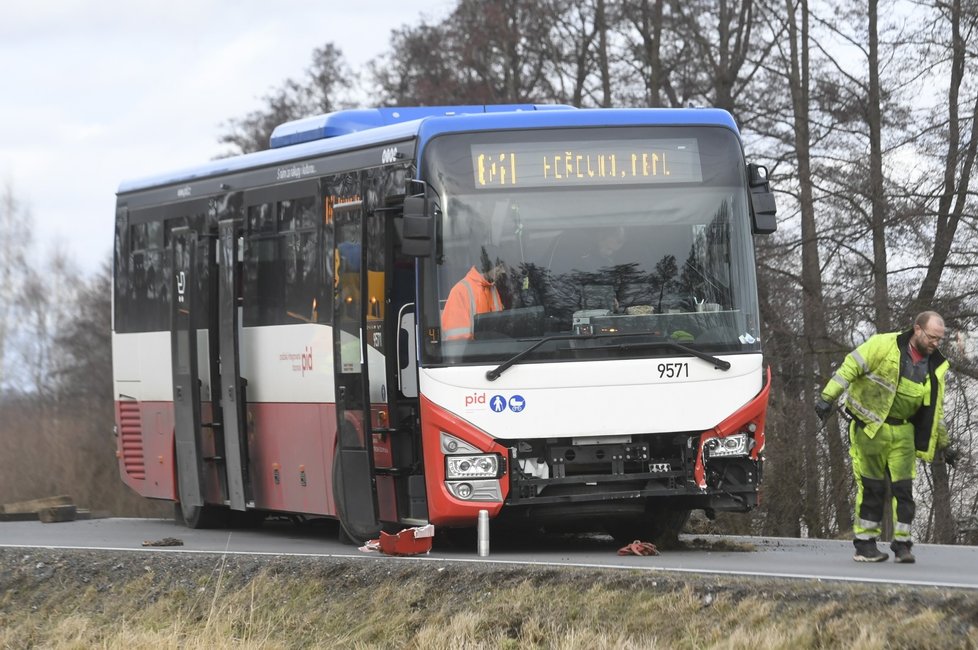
<point>471,295</point>
<point>871,373</point>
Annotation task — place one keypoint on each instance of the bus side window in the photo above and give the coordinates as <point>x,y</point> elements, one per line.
<point>263,285</point>
<point>299,239</point>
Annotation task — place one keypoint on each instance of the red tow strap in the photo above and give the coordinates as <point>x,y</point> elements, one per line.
<point>639,547</point>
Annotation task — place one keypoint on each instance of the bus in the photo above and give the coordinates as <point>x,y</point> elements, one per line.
<point>281,345</point>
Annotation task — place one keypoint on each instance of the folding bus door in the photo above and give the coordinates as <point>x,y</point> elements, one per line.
<point>186,379</point>
<point>232,385</point>
<point>354,487</point>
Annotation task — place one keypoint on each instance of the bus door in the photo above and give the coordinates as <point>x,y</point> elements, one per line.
<point>186,380</point>
<point>354,488</point>
<point>232,385</point>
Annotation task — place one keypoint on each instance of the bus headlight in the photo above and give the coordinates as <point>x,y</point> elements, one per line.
<point>471,466</point>
<point>735,445</point>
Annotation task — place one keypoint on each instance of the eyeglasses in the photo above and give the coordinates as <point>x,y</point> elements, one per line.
<point>932,338</point>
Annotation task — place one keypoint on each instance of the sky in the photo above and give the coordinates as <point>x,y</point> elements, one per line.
<point>94,92</point>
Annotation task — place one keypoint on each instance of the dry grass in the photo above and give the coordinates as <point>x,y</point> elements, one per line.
<point>177,601</point>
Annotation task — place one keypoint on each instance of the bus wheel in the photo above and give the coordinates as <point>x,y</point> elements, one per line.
<point>205,516</point>
<point>660,526</point>
<point>349,533</point>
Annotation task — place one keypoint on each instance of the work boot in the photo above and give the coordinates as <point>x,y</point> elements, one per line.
<point>901,552</point>
<point>866,551</point>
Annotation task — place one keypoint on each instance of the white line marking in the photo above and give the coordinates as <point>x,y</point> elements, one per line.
<point>579,565</point>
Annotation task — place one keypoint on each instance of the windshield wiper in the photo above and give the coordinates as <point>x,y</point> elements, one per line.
<point>719,364</point>
<point>493,375</point>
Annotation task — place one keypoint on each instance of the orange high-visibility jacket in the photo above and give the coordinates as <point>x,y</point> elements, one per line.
<point>471,295</point>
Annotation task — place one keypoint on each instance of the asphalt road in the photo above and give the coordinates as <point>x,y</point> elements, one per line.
<point>828,560</point>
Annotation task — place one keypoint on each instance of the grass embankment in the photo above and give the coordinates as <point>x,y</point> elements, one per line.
<point>158,600</point>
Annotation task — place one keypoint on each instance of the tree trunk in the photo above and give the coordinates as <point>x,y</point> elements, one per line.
<point>960,159</point>
<point>960,156</point>
<point>815,328</point>
<point>945,530</point>
<point>601,25</point>
<point>874,121</point>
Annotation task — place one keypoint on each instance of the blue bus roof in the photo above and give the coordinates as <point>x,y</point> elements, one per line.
<point>341,123</point>
<point>355,129</point>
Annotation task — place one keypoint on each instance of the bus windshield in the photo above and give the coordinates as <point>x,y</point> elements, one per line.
<point>637,234</point>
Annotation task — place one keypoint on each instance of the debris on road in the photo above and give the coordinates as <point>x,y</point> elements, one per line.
<point>47,510</point>
<point>166,541</point>
<point>638,547</point>
<point>410,541</point>
<point>56,514</point>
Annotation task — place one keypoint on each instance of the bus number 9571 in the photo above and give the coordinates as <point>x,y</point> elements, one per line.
<point>673,370</point>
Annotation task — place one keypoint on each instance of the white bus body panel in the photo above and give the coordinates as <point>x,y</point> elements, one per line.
<point>141,365</point>
<point>596,398</point>
<point>283,364</point>
<point>288,363</point>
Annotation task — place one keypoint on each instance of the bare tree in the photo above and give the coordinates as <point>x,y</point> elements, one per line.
<point>494,52</point>
<point>15,237</point>
<point>949,205</point>
<point>85,344</point>
<point>322,91</point>
<point>958,133</point>
<point>721,33</point>
<point>504,48</point>
<point>580,52</point>
<point>45,304</point>
<point>660,62</point>
<point>421,68</point>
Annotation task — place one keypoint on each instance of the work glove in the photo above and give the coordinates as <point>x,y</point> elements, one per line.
<point>951,455</point>
<point>822,409</point>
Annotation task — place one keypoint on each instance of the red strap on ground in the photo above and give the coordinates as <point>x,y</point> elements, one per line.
<point>639,547</point>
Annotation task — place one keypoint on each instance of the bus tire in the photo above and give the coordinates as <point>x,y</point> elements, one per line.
<point>205,516</point>
<point>347,534</point>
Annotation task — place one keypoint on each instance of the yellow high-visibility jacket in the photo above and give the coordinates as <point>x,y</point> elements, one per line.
<point>871,372</point>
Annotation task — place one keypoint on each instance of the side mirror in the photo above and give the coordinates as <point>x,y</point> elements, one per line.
<point>764,209</point>
<point>419,226</point>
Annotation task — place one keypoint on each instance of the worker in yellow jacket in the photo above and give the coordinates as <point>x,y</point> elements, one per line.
<point>895,385</point>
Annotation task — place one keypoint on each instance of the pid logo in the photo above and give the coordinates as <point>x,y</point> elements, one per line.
<point>496,403</point>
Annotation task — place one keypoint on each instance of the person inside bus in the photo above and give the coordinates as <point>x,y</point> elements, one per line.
<point>603,254</point>
<point>476,293</point>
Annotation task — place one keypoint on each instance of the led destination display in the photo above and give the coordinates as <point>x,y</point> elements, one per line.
<point>608,162</point>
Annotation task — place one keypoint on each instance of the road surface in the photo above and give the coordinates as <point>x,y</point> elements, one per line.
<point>827,560</point>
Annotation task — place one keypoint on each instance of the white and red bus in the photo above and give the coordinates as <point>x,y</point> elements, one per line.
<point>277,330</point>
